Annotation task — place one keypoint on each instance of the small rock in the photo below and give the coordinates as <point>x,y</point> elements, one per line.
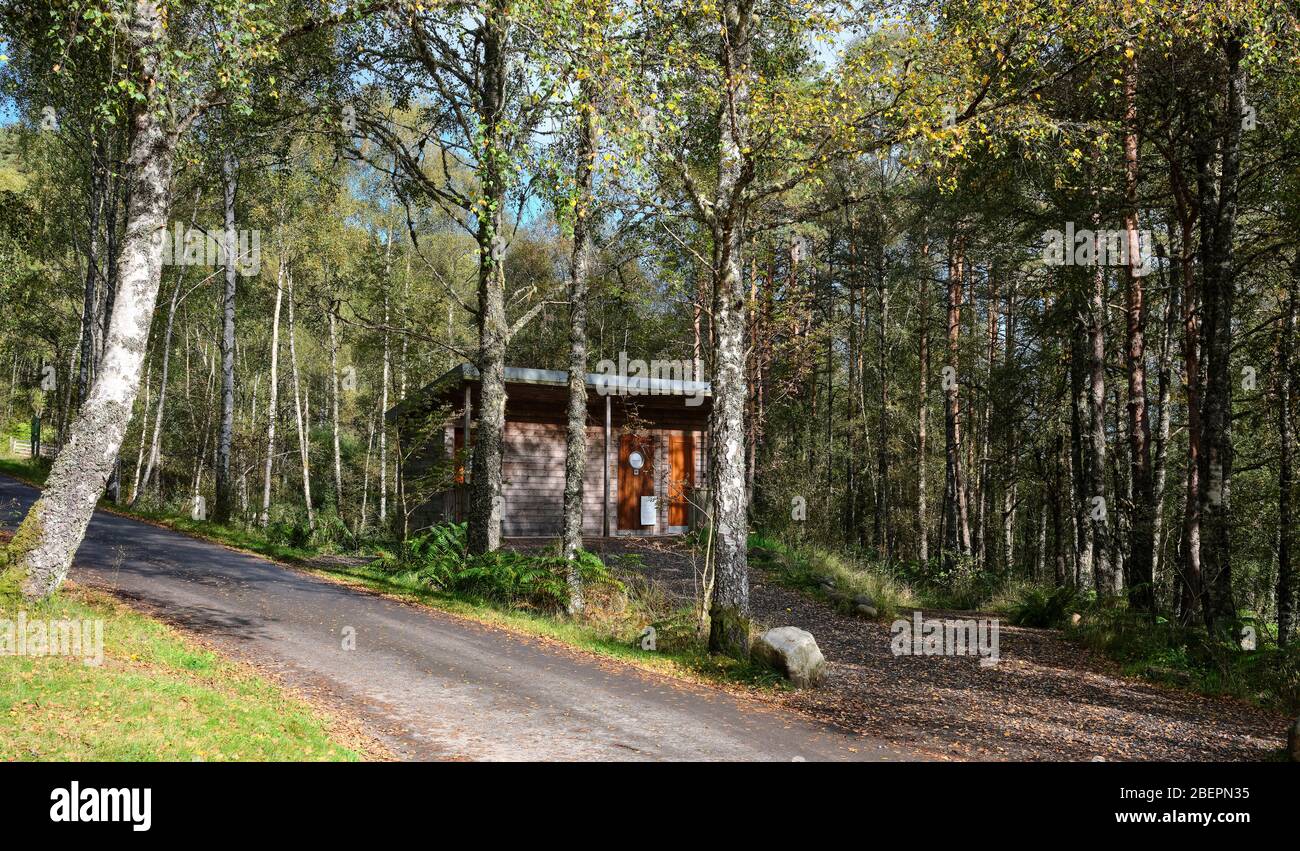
<point>793,652</point>
<point>1075,619</point>
<point>866,611</point>
<point>1293,740</point>
<point>864,600</point>
<point>826,583</point>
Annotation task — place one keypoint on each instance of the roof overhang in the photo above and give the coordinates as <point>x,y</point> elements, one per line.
<point>446,385</point>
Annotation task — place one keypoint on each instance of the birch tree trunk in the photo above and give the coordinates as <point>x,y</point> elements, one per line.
<point>383,404</point>
<point>87,345</point>
<point>575,436</point>
<point>729,609</point>
<point>1160,465</point>
<point>959,539</point>
<point>304,449</point>
<point>882,530</point>
<point>144,430</point>
<point>984,445</point>
<point>42,549</point>
<point>334,382</point>
<point>273,393</point>
<point>1011,474</point>
<point>1084,545</point>
<point>224,502</point>
<point>365,477</point>
<point>484,532</point>
<point>922,509</point>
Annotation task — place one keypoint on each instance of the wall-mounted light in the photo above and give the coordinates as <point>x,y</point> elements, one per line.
<point>637,460</point>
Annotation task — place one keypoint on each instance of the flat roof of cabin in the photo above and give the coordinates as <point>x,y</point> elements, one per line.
<point>595,380</point>
<point>603,385</point>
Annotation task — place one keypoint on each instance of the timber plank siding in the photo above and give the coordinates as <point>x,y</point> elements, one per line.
<point>533,451</point>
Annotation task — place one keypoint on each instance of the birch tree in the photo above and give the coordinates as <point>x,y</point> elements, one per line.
<point>167,91</point>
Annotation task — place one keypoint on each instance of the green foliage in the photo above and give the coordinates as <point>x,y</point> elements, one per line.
<point>537,582</point>
<point>331,533</point>
<point>439,559</point>
<point>159,696</point>
<point>288,526</point>
<point>829,576</point>
<point>952,584</point>
<point>1044,606</point>
<point>443,546</point>
<point>1167,652</point>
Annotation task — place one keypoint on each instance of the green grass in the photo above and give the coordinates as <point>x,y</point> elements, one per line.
<point>237,536</point>
<point>30,470</point>
<point>828,576</point>
<point>156,696</point>
<point>611,627</point>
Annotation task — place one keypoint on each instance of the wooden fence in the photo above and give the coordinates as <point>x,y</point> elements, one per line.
<point>24,447</point>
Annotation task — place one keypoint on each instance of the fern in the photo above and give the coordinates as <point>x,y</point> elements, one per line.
<point>1047,607</point>
<point>440,559</point>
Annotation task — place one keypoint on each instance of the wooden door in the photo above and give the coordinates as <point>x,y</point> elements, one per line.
<point>632,485</point>
<point>458,445</point>
<point>681,477</point>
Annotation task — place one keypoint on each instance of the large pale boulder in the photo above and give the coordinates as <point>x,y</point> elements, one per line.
<point>793,652</point>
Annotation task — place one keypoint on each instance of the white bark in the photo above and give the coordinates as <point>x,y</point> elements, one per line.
<point>334,380</point>
<point>274,395</point>
<point>729,609</point>
<point>144,430</point>
<point>304,449</point>
<point>42,549</point>
<point>222,509</point>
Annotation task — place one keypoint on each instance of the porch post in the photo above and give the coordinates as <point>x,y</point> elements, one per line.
<point>464,487</point>
<point>466,427</point>
<point>605,468</point>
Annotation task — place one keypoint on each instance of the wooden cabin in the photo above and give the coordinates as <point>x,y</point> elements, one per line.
<point>646,452</point>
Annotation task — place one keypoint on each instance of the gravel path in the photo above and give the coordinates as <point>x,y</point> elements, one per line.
<point>1047,699</point>
<point>427,684</point>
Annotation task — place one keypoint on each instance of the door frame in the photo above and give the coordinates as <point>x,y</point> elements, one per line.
<point>645,481</point>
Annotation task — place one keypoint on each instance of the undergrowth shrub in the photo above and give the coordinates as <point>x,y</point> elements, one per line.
<point>288,526</point>
<point>639,601</point>
<point>331,532</point>
<point>1166,651</point>
<point>829,575</point>
<point>1043,606</point>
<point>439,559</point>
<point>952,583</point>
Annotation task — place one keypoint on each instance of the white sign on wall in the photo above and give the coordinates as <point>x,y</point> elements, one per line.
<point>649,510</point>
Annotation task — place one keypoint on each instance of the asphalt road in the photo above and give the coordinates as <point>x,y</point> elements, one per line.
<point>427,684</point>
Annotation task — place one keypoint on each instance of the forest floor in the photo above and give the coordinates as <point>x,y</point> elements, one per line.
<point>1048,698</point>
